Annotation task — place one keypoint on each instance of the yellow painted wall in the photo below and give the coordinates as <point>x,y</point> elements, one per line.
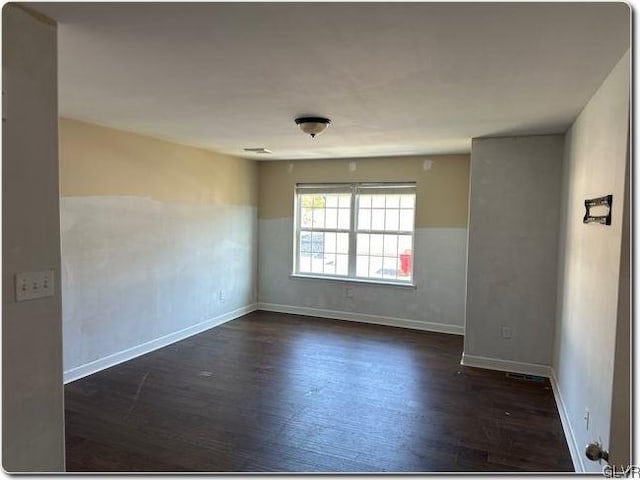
<point>96,160</point>
<point>442,190</point>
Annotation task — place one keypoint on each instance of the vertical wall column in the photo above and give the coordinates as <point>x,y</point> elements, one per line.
<point>32,394</point>
<point>512,253</point>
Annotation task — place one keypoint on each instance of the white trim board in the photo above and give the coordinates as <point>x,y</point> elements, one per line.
<point>574,449</point>
<point>130,353</point>
<point>505,365</point>
<point>364,318</point>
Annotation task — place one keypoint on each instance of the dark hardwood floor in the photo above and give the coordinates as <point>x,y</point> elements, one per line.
<point>276,392</point>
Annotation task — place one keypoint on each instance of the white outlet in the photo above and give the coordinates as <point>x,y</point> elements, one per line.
<point>32,285</point>
<point>348,292</point>
<point>506,331</point>
<point>221,295</point>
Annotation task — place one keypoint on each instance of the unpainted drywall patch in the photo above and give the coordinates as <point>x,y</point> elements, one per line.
<point>427,164</point>
<point>353,166</point>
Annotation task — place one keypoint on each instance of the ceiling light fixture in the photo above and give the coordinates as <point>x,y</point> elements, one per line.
<point>312,125</point>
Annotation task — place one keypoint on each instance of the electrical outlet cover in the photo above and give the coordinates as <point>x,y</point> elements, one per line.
<point>506,332</point>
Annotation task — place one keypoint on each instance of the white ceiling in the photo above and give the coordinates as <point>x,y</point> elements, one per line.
<point>395,78</point>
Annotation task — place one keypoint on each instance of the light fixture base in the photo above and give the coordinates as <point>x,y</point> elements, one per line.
<point>312,125</point>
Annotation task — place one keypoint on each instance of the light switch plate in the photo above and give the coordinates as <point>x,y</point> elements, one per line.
<point>32,285</point>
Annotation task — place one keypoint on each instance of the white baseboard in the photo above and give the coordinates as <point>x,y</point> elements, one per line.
<point>364,318</point>
<point>505,365</point>
<point>574,449</point>
<point>133,352</point>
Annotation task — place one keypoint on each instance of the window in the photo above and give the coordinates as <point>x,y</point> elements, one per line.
<point>361,231</point>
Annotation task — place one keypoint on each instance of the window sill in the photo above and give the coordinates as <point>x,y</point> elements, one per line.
<point>373,283</point>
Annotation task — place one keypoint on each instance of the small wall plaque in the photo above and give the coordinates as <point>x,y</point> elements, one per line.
<point>598,210</point>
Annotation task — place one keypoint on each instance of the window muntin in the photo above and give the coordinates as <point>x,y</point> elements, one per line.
<point>358,231</point>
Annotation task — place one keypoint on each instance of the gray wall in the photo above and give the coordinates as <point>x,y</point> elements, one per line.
<point>128,290</point>
<point>512,252</point>
<point>32,401</point>
<point>589,262</point>
<point>436,304</point>
<point>620,438</point>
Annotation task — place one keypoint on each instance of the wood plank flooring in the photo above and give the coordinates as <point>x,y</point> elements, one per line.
<point>286,393</point>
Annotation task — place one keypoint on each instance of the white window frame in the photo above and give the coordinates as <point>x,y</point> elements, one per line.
<point>354,190</point>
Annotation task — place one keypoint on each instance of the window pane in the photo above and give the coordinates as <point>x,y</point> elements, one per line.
<point>391,219</point>
<point>375,247</point>
<point>305,242</point>
<point>342,264</point>
<point>407,201</point>
<point>330,242</point>
<point>342,245</point>
<point>389,267</point>
<point>377,201</point>
<point>332,201</point>
<point>362,266</point>
<point>393,201</point>
<point>375,267</point>
<point>344,218</point>
<point>330,264</point>
<point>305,264</point>
<point>404,270</point>
<point>317,243</point>
<point>318,218</point>
<point>406,220</point>
<point>377,219</point>
<point>305,217</point>
<point>404,244</point>
<point>390,245</point>
<point>362,243</point>
<point>306,201</point>
<point>364,219</point>
<point>365,201</point>
<point>344,201</point>
<point>317,264</point>
<point>331,218</point>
